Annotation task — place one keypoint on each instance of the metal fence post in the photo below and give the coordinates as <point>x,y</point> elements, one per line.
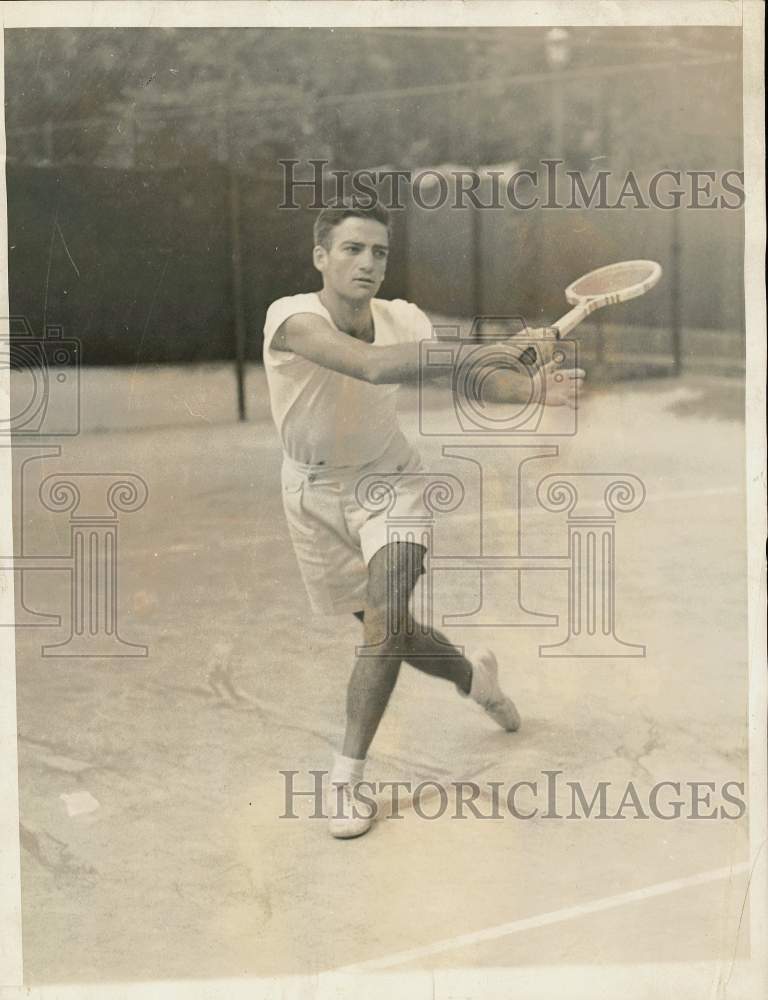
<point>236,258</point>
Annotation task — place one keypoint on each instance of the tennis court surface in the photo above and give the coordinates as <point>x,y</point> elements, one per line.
<point>178,866</point>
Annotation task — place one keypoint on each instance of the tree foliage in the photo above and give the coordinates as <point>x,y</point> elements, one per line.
<point>368,97</point>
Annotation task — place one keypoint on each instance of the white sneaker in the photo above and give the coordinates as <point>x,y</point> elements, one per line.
<point>348,815</point>
<point>486,692</point>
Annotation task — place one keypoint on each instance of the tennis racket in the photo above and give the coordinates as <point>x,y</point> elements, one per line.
<point>620,282</point>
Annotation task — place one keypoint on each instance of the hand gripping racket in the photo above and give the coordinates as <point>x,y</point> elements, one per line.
<point>605,286</point>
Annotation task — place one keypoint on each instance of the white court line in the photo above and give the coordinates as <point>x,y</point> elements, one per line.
<point>545,919</point>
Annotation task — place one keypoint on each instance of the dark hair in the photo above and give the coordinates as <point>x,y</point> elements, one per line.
<point>330,217</point>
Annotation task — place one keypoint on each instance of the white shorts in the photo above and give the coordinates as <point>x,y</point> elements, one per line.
<point>334,536</point>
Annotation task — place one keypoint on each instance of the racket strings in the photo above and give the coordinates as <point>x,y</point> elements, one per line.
<point>613,279</point>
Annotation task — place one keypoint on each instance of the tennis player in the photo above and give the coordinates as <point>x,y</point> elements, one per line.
<point>334,360</point>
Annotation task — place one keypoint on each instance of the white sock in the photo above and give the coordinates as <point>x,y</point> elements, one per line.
<point>347,770</point>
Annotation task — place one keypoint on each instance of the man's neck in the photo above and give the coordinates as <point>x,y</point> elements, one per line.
<point>351,317</point>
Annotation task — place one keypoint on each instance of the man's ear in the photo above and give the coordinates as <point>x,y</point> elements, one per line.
<point>319,257</point>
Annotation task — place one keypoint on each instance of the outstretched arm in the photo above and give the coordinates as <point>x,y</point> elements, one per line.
<point>314,338</point>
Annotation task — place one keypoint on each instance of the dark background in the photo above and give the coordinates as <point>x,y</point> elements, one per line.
<point>136,158</point>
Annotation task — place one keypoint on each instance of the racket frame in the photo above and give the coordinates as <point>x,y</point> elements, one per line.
<point>585,305</point>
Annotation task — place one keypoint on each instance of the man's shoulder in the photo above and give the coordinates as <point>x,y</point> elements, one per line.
<point>411,318</point>
<point>282,309</point>
<point>396,305</point>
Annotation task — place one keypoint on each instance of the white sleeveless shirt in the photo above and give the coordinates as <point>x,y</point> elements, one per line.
<point>324,417</point>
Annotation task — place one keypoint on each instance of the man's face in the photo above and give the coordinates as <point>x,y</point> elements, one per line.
<point>356,262</point>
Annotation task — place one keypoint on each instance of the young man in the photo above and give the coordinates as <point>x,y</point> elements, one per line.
<point>334,360</point>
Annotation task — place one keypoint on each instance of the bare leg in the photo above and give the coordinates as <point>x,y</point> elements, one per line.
<point>373,679</point>
<point>433,654</point>
<point>392,573</point>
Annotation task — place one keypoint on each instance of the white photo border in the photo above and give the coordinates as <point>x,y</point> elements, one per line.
<point>745,978</point>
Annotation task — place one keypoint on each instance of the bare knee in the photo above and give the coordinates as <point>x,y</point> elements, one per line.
<point>392,575</point>
<point>388,636</point>
<point>377,627</point>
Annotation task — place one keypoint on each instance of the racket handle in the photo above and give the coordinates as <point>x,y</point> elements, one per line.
<point>572,319</point>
